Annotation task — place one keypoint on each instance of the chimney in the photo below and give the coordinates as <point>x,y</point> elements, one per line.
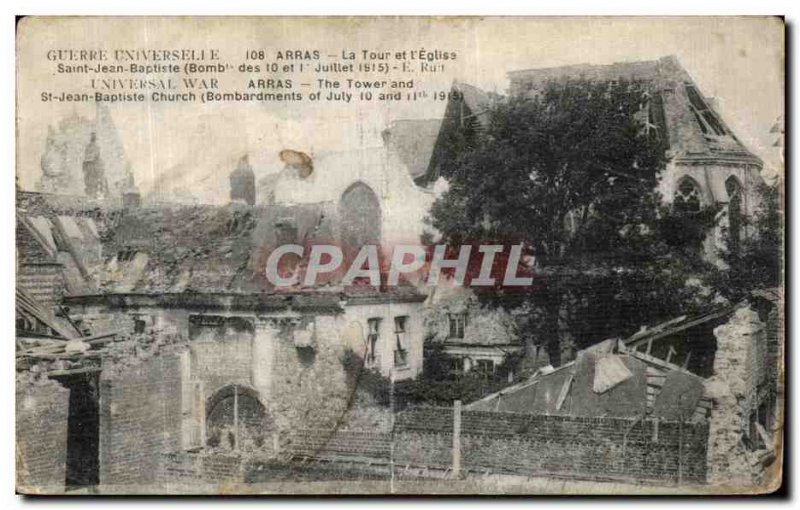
<point>131,197</point>
<point>243,183</point>
<point>94,173</point>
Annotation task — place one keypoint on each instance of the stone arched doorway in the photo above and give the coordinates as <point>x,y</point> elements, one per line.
<point>236,419</point>
<point>360,216</point>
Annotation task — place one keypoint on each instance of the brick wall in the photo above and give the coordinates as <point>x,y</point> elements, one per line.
<point>140,417</point>
<point>598,448</point>
<point>193,468</point>
<point>340,445</point>
<point>41,438</point>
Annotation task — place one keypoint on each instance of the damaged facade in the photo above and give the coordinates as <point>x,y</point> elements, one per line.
<point>171,305</point>
<point>472,336</point>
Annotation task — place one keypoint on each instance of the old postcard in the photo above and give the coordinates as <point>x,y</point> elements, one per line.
<point>399,255</point>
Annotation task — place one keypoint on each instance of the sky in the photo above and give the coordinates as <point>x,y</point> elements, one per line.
<point>737,60</point>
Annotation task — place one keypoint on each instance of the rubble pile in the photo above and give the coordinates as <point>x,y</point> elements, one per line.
<point>207,252</point>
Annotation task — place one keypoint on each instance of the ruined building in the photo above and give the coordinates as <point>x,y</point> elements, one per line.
<point>370,182</point>
<point>714,380</point>
<point>155,331</point>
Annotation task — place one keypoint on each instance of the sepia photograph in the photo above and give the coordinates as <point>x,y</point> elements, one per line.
<point>388,255</point>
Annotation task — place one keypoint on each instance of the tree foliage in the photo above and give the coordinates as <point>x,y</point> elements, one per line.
<point>571,173</point>
<point>758,262</point>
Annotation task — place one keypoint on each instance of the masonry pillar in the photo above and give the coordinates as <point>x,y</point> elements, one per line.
<point>263,367</point>
<point>732,390</point>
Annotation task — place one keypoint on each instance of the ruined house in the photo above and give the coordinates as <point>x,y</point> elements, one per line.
<point>473,337</point>
<point>709,370</point>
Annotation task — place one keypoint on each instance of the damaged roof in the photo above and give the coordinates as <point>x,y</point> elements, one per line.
<point>605,380</point>
<point>175,250</point>
<point>205,248</point>
<point>307,301</point>
<point>413,141</point>
<point>219,250</point>
<point>57,238</point>
<point>677,325</point>
<point>477,100</point>
<point>466,105</point>
<point>695,131</point>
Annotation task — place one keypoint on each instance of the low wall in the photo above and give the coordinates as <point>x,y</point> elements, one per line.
<point>532,445</point>
<point>193,468</point>
<point>594,448</point>
<point>340,445</point>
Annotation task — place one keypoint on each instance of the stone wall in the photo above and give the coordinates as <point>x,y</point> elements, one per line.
<point>309,387</point>
<point>140,418</point>
<point>292,363</point>
<point>41,438</point>
<point>221,351</point>
<point>577,447</point>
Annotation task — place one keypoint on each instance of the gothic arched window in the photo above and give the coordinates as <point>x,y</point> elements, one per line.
<point>360,214</point>
<point>687,196</point>
<point>734,190</point>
